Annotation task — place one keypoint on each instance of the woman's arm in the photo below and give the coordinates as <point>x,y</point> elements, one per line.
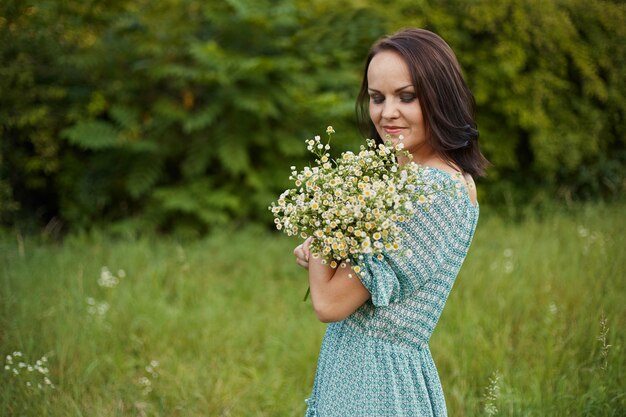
<point>335,293</point>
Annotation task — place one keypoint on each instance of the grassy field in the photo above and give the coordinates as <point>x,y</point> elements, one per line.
<point>217,327</point>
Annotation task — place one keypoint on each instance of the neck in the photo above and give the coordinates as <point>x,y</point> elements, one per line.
<point>421,155</point>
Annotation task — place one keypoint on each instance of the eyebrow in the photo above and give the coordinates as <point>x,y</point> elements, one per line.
<point>397,89</point>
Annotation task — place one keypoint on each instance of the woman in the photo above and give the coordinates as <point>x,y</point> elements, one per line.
<point>375,359</point>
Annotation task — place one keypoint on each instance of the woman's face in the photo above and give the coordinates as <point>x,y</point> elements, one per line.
<point>393,106</point>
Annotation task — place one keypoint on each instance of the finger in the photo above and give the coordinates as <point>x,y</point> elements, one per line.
<point>297,249</point>
<point>302,263</point>
<point>306,247</point>
<point>301,254</point>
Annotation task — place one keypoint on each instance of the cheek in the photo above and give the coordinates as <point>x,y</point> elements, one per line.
<point>419,117</point>
<point>374,113</point>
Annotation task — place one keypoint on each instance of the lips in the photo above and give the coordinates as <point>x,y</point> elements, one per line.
<point>393,130</point>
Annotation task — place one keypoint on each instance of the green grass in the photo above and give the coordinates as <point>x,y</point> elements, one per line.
<point>224,319</point>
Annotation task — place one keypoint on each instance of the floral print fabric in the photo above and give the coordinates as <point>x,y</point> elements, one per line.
<point>377,362</point>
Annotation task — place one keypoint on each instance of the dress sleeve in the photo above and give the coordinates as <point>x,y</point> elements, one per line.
<point>399,274</point>
<point>379,278</point>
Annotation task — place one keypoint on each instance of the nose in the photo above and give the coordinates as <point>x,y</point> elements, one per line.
<point>390,110</point>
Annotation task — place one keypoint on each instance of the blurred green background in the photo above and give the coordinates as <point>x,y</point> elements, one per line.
<point>142,141</point>
<point>183,115</point>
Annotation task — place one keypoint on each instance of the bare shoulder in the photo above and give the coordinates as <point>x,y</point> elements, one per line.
<point>471,188</point>
<point>466,179</point>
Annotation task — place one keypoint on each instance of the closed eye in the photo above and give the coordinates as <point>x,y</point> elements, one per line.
<point>407,98</point>
<point>404,98</point>
<point>377,98</point>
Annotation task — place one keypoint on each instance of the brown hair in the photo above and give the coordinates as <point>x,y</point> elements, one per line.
<point>446,101</point>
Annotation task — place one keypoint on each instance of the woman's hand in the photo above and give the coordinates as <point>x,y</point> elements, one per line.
<point>335,292</point>
<point>302,253</point>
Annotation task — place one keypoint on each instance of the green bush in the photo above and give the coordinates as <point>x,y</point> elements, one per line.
<point>184,115</point>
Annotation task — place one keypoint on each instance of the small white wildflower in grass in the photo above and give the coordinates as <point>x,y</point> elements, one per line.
<point>35,376</point>
<point>145,381</point>
<point>603,339</point>
<point>151,368</point>
<point>491,394</point>
<point>107,279</point>
<point>145,384</point>
<point>583,231</point>
<point>103,308</point>
<point>508,265</point>
<point>553,308</point>
<point>551,316</point>
<point>96,308</point>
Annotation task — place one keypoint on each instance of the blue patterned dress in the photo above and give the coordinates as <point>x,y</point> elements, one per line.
<point>376,362</point>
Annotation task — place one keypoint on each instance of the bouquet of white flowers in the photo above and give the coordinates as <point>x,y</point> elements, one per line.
<point>353,205</point>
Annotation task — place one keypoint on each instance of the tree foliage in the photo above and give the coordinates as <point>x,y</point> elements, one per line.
<point>186,114</point>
